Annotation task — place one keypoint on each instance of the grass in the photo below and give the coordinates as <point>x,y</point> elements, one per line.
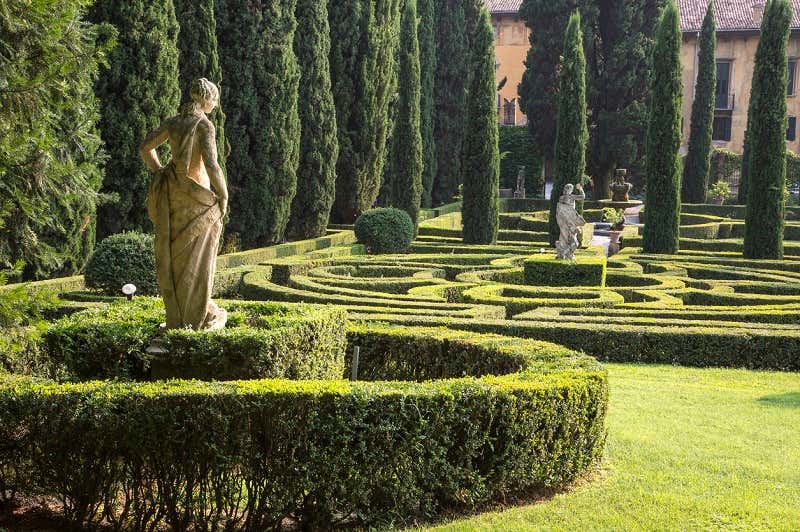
<point>688,449</point>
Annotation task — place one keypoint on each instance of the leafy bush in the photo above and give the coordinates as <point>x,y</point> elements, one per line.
<point>121,259</point>
<point>261,340</point>
<point>193,455</point>
<point>385,230</point>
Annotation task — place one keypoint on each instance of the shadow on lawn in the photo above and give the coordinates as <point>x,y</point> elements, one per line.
<point>783,400</point>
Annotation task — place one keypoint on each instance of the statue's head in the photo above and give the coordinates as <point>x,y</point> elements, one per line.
<point>568,189</point>
<point>205,95</point>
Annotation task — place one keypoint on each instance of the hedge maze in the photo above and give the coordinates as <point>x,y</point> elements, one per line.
<point>476,381</point>
<point>704,306</point>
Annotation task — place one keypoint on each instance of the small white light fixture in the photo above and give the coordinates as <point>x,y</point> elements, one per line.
<point>541,250</point>
<point>128,290</point>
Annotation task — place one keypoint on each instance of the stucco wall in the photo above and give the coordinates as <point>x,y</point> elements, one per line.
<point>740,50</point>
<point>511,48</point>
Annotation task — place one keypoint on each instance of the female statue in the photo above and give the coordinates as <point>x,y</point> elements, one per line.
<point>187,201</point>
<point>569,222</point>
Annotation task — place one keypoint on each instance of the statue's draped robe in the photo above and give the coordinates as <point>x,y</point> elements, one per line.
<point>569,224</point>
<point>188,223</point>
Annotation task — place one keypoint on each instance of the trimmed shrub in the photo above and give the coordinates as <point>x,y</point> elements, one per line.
<point>763,237</point>
<point>138,88</point>
<point>384,453</point>
<point>695,170</point>
<point>480,208</point>
<point>319,146</point>
<point>262,340</point>
<point>122,259</point>
<point>661,232</point>
<point>545,270</point>
<point>572,133</point>
<point>724,165</point>
<point>385,230</point>
<point>262,123</point>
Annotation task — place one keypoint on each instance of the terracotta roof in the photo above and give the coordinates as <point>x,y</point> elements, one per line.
<point>731,15</point>
<point>498,7</point>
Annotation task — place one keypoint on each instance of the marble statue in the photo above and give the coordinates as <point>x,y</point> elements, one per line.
<point>520,190</point>
<point>569,222</point>
<point>187,201</point>
<point>620,189</point>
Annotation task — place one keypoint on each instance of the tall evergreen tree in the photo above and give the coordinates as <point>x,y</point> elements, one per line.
<point>763,235</point>
<point>256,50</point>
<point>695,170</point>
<point>319,147</point>
<point>661,230</point>
<point>364,39</point>
<point>137,90</point>
<point>406,159</point>
<point>618,44</point>
<point>571,130</point>
<point>50,151</point>
<point>426,33</point>
<point>480,208</point>
<point>744,171</point>
<point>452,47</point>
<point>199,56</point>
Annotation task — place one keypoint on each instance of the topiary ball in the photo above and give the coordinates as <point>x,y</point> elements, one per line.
<point>121,259</point>
<point>385,230</point>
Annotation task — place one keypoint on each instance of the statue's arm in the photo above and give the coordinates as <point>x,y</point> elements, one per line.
<point>208,145</point>
<point>156,138</point>
<point>581,195</point>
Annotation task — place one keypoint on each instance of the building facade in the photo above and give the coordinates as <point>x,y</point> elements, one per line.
<point>738,23</point>
<point>511,44</point>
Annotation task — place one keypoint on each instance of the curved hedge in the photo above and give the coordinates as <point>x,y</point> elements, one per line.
<point>249,454</point>
<point>262,340</point>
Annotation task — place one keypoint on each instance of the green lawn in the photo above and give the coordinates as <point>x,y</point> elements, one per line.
<point>687,449</point>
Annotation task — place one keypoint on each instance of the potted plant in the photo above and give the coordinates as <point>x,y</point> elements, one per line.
<point>719,191</point>
<point>615,217</point>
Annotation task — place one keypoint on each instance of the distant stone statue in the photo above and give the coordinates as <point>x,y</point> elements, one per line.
<point>187,201</point>
<point>520,190</point>
<point>569,222</point>
<point>620,189</point>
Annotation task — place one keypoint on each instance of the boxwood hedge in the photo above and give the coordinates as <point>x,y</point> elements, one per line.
<point>505,416</point>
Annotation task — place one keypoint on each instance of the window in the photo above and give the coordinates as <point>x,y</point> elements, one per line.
<point>722,128</point>
<point>510,113</point>
<point>791,131</point>
<point>792,68</point>
<point>723,84</point>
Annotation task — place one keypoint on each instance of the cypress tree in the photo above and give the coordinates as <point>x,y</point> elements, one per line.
<point>199,56</point>
<point>426,33</point>
<point>763,235</point>
<point>571,130</point>
<point>256,50</point>
<point>51,155</point>
<point>661,232</point>
<point>452,48</point>
<point>407,163</point>
<point>480,207</point>
<point>744,172</point>
<point>695,170</point>
<point>364,39</point>
<point>137,90</point>
<point>319,147</point>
